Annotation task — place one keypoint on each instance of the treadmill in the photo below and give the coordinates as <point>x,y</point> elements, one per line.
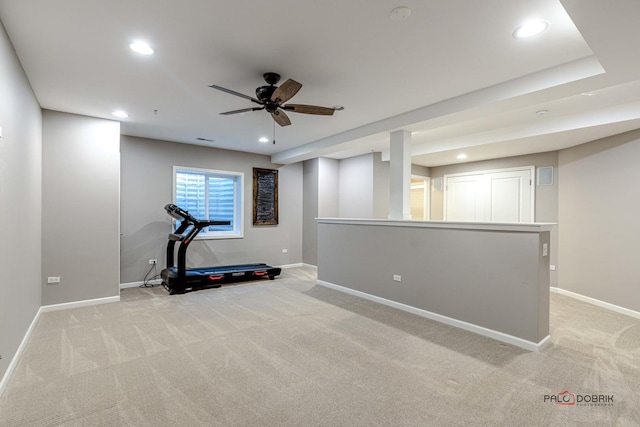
<point>180,279</point>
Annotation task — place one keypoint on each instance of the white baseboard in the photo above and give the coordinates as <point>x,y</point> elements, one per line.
<point>75,304</point>
<point>480,330</point>
<point>291,265</point>
<point>141,283</point>
<point>300,264</point>
<point>16,356</point>
<point>596,302</point>
<point>27,335</point>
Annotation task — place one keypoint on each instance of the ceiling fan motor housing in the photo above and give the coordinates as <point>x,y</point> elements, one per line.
<point>264,92</point>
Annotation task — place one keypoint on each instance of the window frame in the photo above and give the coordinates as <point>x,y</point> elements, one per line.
<point>238,214</point>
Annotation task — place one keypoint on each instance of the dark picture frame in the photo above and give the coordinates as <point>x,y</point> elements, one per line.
<point>265,196</point>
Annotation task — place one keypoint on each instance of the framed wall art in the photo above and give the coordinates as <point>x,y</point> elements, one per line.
<point>265,196</point>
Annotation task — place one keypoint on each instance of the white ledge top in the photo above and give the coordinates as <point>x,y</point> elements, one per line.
<point>526,227</point>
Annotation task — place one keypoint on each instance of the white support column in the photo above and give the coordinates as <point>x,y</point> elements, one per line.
<point>400,175</point>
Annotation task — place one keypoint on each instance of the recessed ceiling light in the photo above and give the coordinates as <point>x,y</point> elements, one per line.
<point>542,112</point>
<point>121,114</point>
<point>142,48</point>
<point>587,93</point>
<point>461,156</point>
<point>263,139</point>
<point>530,29</point>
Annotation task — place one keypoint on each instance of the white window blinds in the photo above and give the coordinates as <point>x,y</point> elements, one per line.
<point>212,195</point>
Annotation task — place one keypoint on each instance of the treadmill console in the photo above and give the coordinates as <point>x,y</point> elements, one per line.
<point>179,213</point>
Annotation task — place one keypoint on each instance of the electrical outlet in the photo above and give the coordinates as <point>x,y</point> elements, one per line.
<point>153,261</point>
<point>284,251</point>
<point>397,278</point>
<point>53,279</point>
<point>552,267</point>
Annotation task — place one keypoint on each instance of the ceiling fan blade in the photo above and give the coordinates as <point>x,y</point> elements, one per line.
<point>309,109</point>
<point>233,92</point>
<point>244,110</point>
<point>281,118</point>
<point>285,91</point>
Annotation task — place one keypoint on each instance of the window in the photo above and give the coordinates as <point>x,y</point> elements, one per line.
<point>211,195</point>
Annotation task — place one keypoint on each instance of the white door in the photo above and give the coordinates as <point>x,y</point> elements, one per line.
<point>491,196</point>
<point>464,198</point>
<point>510,196</point>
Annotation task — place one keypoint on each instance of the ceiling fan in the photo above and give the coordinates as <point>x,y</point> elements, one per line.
<point>272,98</point>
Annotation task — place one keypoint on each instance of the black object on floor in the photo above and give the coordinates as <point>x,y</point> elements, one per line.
<point>180,279</point>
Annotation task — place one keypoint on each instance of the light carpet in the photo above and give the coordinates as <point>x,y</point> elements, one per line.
<point>290,353</point>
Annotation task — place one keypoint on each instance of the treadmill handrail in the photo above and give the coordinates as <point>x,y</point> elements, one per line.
<point>209,223</point>
<point>182,215</point>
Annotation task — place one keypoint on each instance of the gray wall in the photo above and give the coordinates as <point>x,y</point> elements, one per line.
<point>600,220</point>
<point>494,279</point>
<point>328,187</point>
<point>381,196</point>
<point>310,212</point>
<point>20,203</point>
<point>364,187</point>
<point>420,170</point>
<point>80,207</point>
<point>147,179</point>
<point>320,199</point>
<point>356,187</point>
<point>546,197</point>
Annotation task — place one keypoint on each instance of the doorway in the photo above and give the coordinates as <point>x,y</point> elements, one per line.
<point>419,199</point>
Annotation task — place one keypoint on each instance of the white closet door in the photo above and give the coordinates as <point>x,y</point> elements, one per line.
<point>510,196</point>
<point>492,196</point>
<point>463,195</point>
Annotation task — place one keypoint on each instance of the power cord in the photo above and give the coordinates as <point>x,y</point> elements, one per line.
<point>148,279</point>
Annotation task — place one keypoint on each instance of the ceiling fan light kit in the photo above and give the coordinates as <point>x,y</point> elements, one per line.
<point>272,99</point>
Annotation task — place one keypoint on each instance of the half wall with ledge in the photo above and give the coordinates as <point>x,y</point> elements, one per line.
<point>487,278</point>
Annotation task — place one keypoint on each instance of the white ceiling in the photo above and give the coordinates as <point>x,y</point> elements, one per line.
<point>451,73</point>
